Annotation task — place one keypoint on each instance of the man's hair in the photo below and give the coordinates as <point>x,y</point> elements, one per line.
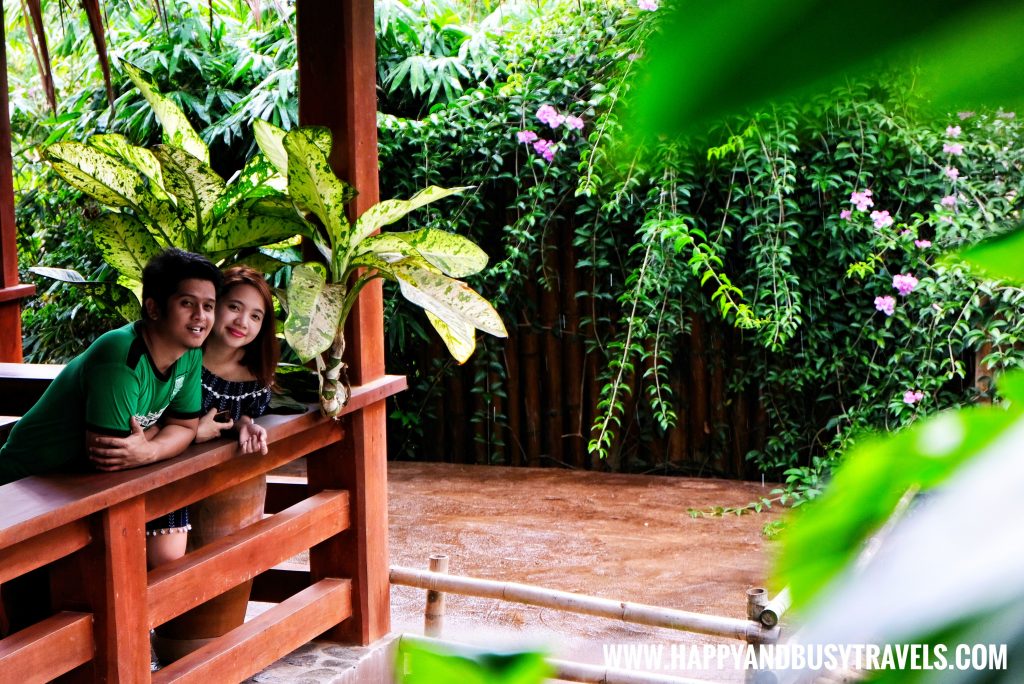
<point>165,271</point>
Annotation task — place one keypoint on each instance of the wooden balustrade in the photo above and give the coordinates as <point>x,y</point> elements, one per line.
<point>88,531</point>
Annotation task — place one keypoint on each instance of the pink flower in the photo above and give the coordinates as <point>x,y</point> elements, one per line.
<point>881,219</point>
<point>922,244</point>
<point>952,173</point>
<point>912,397</point>
<point>526,136</point>
<point>845,214</point>
<point>574,123</point>
<point>886,305</point>
<point>953,131</point>
<point>904,233</point>
<point>949,201</point>
<point>862,200</point>
<point>904,283</point>
<point>952,148</point>
<point>549,115</point>
<point>633,56</point>
<point>649,5</point>
<point>965,115</point>
<point>545,148</point>
<point>1006,115</point>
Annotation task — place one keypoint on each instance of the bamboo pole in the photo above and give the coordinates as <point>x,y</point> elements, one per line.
<point>551,362</point>
<point>564,670</point>
<point>636,613</point>
<point>529,355</point>
<point>773,612</point>
<point>572,351</point>
<point>433,613</point>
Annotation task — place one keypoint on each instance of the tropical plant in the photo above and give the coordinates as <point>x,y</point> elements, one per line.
<point>169,196</point>
<point>425,263</point>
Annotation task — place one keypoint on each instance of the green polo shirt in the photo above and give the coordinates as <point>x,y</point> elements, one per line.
<point>101,390</point>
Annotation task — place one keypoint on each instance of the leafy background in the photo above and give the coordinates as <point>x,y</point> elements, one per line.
<point>690,307</point>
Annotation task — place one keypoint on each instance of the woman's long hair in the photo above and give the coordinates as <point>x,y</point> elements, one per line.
<point>262,354</point>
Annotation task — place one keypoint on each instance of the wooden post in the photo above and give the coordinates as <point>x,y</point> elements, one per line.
<point>11,291</point>
<point>337,89</point>
<point>433,613</point>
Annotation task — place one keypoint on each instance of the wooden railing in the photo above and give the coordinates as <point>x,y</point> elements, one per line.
<point>88,531</point>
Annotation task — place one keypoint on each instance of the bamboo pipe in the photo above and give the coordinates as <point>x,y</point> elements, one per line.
<point>566,670</point>
<point>636,613</point>
<point>433,614</point>
<point>773,612</point>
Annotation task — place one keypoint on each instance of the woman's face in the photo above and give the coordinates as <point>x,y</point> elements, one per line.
<point>240,314</point>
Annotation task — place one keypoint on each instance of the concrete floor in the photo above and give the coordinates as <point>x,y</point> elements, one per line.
<point>625,537</point>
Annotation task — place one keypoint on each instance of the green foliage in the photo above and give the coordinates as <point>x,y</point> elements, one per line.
<point>170,197</point>
<point>424,263</point>
<point>419,664</point>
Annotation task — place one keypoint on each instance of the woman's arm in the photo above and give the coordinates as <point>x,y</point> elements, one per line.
<point>252,438</point>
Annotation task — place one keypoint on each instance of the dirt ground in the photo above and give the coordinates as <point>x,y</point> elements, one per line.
<point>625,537</point>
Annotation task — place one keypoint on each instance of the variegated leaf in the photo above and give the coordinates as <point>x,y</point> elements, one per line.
<point>267,265</point>
<point>451,300</point>
<point>261,221</point>
<point>177,130</point>
<point>65,275</point>
<point>454,254</point>
<point>460,338</point>
<point>314,310</point>
<point>142,159</point>
<point>127,295</point>
<point>98,175</point>
<point>389,211</point>
<point>314,187</point>
<point>195,185</point>
<point>259,178</point>
<point>270,139</point>
<point>125,243</point>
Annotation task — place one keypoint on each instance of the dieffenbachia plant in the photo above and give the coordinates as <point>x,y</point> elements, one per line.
<point>426,263</point>
<point>168,196</point>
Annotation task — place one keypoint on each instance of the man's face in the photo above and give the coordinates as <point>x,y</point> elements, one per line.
<point>189,315</point>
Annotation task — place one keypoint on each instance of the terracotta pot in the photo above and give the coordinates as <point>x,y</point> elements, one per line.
<point>212,518</point>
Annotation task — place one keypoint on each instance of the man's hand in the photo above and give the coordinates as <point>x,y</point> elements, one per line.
<point>209,428</point>
<point>118,453</point>
<point>252,438</point>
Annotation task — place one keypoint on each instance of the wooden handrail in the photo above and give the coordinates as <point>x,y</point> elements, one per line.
<point>90,528</point>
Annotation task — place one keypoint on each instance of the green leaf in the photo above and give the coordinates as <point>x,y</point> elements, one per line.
<point>450,300</point>
<point>455,255</point>
<point>98,175</point>
<point>716,58</point>
<point>177,130</point>
<point>259,178</point>
<point>65,275</point>
<point>460,338</point>
<point>262,221</point>
<point>389,211</point>
<point>124,299</point>
<point>142,159</point>
<point>270,139</point>
<point>195,186</point>
<point>997,258</point>
<point>314,187</point>
<point>125,243</point>
<point>314,310</point>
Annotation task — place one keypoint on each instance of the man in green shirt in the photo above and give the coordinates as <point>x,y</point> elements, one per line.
<point>98,408</point>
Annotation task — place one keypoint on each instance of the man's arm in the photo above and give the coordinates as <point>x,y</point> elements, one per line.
<point>120,453</point>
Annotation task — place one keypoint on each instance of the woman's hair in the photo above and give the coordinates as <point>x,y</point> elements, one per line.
<point>262,354</point>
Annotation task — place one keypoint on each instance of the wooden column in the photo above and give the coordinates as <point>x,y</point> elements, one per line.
<point>11,291</point>
<point>337,89</point>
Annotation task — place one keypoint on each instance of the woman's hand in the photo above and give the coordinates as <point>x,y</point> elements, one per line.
<point>209,428</point>
<point>252,438</point>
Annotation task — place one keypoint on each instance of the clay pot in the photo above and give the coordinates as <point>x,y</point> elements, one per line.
<point>212,518</point>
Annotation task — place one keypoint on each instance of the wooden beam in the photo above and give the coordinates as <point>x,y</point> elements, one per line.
<point>122,635</point>
<point>11,291</point>
<point>337,89</point>
<point>47,649</point>
<point>35,552</point>
<point>183,584</point>
<point>246,650</point>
